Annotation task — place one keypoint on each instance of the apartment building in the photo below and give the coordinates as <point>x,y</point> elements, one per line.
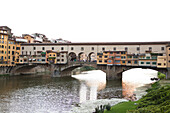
<point>3,47</point>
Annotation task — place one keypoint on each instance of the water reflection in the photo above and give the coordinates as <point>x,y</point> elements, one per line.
<point>91,81</point>
<point>134,78</point>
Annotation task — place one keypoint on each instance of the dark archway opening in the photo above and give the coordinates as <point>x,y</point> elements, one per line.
<point>92,57</point>
<point>82,57</point>
<point>72,56</point>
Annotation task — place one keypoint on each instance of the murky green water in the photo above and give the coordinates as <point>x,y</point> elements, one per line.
<point>44,94</point>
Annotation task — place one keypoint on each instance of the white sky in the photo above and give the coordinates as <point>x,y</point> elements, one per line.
<point>89,20</point>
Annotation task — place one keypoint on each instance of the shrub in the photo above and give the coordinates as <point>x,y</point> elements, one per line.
<point>161,75</point>
<point>108,107</point>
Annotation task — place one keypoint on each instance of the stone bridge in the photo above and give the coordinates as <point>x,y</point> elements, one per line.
<point>56,70</point>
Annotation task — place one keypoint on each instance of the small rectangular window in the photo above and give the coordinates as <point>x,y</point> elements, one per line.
<point>126,48</point>
<point>92,48</point>
<point>103,48</point>
<point>62,48</point>
<point>52,48</point>
<point>72,48</point>
<point>22,48</point>
<point>162,48</point>
<point>43,48</point>
<point>82,48</point>
<point>114,48</point>
<point>137,48</point>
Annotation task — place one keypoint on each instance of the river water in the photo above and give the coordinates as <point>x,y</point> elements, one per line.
<point>45,94</point>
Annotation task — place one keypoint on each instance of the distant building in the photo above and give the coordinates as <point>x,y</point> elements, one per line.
<point>60,40</point>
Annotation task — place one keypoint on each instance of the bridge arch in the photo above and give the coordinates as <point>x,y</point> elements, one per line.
<point>82,57</point>
<point>91,57</point>
<point>72,56</point>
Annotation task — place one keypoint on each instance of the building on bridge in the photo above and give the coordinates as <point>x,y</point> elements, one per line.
<point>9,47</point>
<point>44,57</point>
<point>147,59</point>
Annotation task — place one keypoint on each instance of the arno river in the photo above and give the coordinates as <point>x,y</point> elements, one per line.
<point>45,94</point>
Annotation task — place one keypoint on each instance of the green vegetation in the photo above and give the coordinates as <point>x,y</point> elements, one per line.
<point>87,68</point>
<point>4,75</point>
<point>157,100</point>
<point>161,75</point>
<point>123,107</point>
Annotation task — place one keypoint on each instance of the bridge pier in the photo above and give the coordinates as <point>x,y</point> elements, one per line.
<point>168,73</point>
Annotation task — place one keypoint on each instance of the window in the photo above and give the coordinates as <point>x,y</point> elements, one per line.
<point>137,48</point>
<point>17,48</point>
<point>126,48</point>
<point>129,62</point>
<point>58,60</point>
<point>92,48</point>
<point>30,52</point>
<point>72,48</point>
<point>135,56</point>
<point>9,47</point>
<point>100,56</point>
<point>150,48</point>
<point>105,56</point>
<point>135,62</point>
<point>153,63</point>
<point>142,63</point>
<point>34,48</point>
<point>162,48</point>
<point>62,48</point>
<point>123,61</point>
<point>122,52</point>
<point>114,48</point>
<point>147,62</point>
<point>43,48</point>
<point>103,48</point>
<point>62,60</point>
<point>12,52</point>
<point>43,60</point>
<point>100,60</point>
<point>82,48</point>
<point>123,57</point>
<point>109,61</point>
<point>22,48</point>
<point>129,56</point>
<point>13,47</point>
<point>117,61</point>
<point>147,57</point>
<point>52,48</point>
<point>159,64</point>
<point>105,61</point>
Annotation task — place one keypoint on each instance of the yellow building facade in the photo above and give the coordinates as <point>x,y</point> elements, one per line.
<point>3,47</point>
<point>9,49</point>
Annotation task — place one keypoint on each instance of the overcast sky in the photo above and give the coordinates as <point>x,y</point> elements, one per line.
<point>89,20</point>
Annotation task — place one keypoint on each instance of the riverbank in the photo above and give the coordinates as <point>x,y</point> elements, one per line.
<point>157,99</point>
<point>4,75</point>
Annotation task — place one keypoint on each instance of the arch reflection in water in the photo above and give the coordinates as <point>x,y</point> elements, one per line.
<point>135,78</point>
<point>92,81</point>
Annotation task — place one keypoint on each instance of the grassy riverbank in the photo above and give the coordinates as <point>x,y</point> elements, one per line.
<point>157,100</point>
